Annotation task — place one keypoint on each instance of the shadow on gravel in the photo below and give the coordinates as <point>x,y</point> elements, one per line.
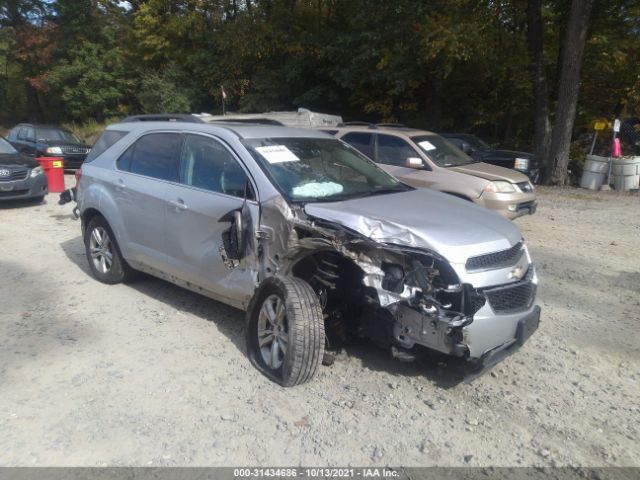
<point>230,321</point>
<point>34,323</point>
<point>444,371</point>
<point>12,204</point>
<point>64,216</point>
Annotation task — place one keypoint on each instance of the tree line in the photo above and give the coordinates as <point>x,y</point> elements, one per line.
<point>516,72</point>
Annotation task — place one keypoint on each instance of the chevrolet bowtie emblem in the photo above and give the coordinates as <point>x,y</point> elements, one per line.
<point>516,273</point>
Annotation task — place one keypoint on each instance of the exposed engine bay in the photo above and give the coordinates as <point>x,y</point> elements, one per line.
<point>397,296</point>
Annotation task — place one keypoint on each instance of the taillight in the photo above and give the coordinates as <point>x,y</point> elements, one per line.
<point>78,176</point>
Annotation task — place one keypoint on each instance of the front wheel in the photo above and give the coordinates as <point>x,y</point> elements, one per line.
<point>285,330</point>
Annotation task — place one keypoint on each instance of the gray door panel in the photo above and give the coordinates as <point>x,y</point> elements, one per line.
<point>194,240</point>
<point>211,184</point>
<point>142,205</point>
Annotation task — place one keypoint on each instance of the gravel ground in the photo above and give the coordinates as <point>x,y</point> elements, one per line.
<point>150,374</point>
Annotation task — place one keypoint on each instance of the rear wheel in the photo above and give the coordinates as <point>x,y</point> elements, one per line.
<point>105,260</point>
<point>285,332</point>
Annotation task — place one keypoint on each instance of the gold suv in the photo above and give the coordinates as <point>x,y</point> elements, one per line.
<point>425,159</point>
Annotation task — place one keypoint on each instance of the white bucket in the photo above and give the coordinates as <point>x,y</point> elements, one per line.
<point>626,182</point>
<point>596,164</point>
<point>591,180</point>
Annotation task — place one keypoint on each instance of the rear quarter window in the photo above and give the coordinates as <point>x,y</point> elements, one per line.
<point>106,141</point>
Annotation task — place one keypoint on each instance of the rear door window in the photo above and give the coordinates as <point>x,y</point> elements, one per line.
<point>393,150</point>
<point>156,155</point>
<point>361,141</point>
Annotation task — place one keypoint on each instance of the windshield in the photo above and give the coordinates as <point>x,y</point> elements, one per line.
<point>475,142</point>
<point>319,169</point>
<point>56,135</point>
<point>441,152</point>
<point>6,148</point>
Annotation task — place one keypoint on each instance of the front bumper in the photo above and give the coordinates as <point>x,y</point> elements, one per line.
<point>525,327</point>
<point>510,205</point>
<point>490,333</point>
<point>24,189</point>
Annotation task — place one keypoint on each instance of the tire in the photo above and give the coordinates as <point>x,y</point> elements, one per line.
<point>103,254</point>
<point>298,323</point>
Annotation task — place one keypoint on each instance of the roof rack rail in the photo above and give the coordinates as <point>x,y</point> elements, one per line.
<point>391,125</point>
<point>357,124</point>
<point>163,117</point>
<point>258,121</point>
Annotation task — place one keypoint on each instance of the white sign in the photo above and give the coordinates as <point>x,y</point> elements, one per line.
<point>277,154</point>
<point>426,145</point>
<point>616,125</point>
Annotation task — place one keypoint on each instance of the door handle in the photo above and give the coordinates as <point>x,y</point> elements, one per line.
<point>120,185</point>
<point>178,204</point>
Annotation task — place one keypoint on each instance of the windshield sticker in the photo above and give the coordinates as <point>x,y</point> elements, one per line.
<point>277,154</point>
<point>316,189</point>
<point>427,145</point>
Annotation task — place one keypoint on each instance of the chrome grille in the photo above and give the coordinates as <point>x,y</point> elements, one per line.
<point>513,298</point>
<point>493,261</point>
<point>15,174</point>
<point>73,150</point>
<point>525,187</point>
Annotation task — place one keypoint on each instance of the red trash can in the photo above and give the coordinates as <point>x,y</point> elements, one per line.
<point>54,170</point>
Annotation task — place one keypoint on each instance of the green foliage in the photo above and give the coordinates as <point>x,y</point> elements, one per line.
<point>91,84</point>
<point>439,64</point>
<point>160,94</point>
<point>91,129</point>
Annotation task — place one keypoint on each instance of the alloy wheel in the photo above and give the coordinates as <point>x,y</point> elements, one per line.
<point>101,249</point>
<point>273,334</point>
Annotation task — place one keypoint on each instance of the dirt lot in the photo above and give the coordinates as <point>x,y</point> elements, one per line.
<point>149,374</point>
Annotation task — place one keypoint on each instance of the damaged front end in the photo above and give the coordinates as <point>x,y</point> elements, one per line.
<point>395,295</point>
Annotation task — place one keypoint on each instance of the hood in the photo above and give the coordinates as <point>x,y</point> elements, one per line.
<point>491,172</point>
<point>61,143</point>
<point>509,155</point>
<point>17,159</point>
<point>423,218</point>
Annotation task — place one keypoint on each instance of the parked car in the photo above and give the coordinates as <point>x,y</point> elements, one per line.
<point>21,177</point>
<point>424,159</point>
<point>311,238</point>
<point>479,150</point>
<point>49,141</point>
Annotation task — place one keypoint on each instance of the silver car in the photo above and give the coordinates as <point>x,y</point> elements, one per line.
<point>312,239</point>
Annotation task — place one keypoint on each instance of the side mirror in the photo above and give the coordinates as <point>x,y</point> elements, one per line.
<point>233,238</point>
<point>414,162</point>
<point>466,148</point>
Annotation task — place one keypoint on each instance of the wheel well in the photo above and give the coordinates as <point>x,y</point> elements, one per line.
<point>333,267</point>
<point>88,215</point>
<point>337,281</point>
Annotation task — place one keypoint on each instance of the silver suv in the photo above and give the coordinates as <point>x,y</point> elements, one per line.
<point>311,238</point>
